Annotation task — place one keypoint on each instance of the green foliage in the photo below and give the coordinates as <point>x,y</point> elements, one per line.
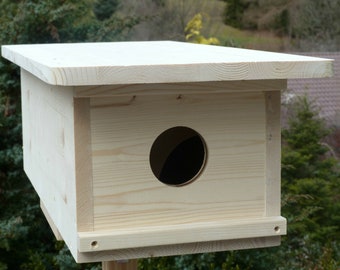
<point>114,28</point>
<point>316,24</point>
<point>309,176</point>
<point>59,21</point>
<point>281,22</point>
<point>270,15</point>
<point>233,13</point>
<point>303,152</point>
<point>49,20</point>
<point>310,184</point>
<point>104,9</point>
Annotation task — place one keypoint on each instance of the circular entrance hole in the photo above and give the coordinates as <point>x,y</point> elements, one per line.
<point>178,156</point>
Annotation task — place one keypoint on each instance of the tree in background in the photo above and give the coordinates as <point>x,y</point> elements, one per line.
<point>233,13</point>
<point>310,188</point>
<point>26,241</point>
<point>104,9</point>
<point>316,25</point>
<point>310,177</point>
<point>272,15</point>
<point>310,25</point>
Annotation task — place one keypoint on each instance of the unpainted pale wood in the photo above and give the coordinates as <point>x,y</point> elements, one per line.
<point>83,159</point>
<point>54,228</point>
<point>48,145</point>
<point>179,249</point>
<point>248,108</point>
<point>182,233</point>
<point>157,62</point>
<point>273,153</point>
<point>180,88</point>
<point>231,185</point>
<point>120,265</point>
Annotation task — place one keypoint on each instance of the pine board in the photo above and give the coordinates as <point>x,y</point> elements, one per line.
<point>48,147</point>
<point>230,186</point>
<point>158,62</point>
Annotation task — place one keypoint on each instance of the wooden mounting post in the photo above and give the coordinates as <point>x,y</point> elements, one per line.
<point>120,265</point>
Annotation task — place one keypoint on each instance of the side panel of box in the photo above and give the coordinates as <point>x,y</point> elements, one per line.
<point>48,142</point>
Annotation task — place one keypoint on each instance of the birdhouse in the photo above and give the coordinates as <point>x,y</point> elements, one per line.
<point>140,149</point>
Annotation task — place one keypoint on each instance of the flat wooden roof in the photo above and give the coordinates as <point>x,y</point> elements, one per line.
<point>157,62</point>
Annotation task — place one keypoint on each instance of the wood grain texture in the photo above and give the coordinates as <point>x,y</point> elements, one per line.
<point>54,228</point>
<point>180,88</point>
<point>128,209</point>
<point>120,265</point>
<point>181,233</point>
<point>83,159</point>
<point>273,153</point>
<point>179,249</point>
<point>128,195</point>
<point>157,62</point>
<point>48,144</point>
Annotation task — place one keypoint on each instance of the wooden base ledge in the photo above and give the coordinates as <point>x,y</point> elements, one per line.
<point>160,241</point>
<point>183,249</point>
<point>180,234</point>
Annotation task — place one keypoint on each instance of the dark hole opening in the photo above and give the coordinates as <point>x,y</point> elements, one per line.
<point>177,156</point>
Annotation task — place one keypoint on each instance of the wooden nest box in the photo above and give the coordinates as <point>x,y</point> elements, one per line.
<point>141,149</point>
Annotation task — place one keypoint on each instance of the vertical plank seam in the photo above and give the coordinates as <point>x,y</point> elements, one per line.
<point>273,153</point>
<point>84,178</point>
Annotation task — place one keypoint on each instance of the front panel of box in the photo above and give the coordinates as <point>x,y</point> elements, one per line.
<point>230,184</point>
